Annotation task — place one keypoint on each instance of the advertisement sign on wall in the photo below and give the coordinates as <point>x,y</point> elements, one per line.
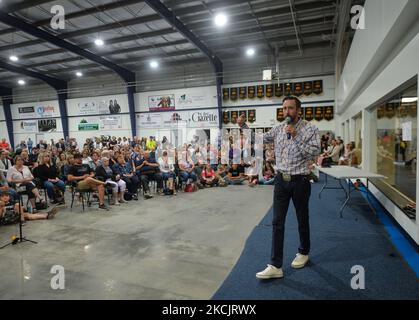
<point>149,120</point>
<point>44,111</point>
<point>110,122</point>
<point>29,126</point>
<point>26,112</point>
<point>161,102</point>
<point>47,125</point>
<point>207,118</point>
<point>99,107</point>
<point>91,124</point>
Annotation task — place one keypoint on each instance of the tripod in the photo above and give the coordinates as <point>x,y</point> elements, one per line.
<point>21,238</point>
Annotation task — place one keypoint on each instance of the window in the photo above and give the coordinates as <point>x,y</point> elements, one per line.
<point>396,145</point>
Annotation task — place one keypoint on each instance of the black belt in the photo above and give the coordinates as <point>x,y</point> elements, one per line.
<point>289,177</point>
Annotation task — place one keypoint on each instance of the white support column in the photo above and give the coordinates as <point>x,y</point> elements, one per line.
<point>369,140</point>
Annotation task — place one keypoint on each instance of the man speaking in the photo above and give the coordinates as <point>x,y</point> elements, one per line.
<point>297,143</point>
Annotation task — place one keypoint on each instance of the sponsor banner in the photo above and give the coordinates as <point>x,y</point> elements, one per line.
<point>149,120</point>
<point>260,91</point>
<point>207,118</point>
<point>191,100</point>
<point>226,117</point>
<point>309,113</point>
<point>328,113</point>
<point>298,89</point>
<point>90,124</point>
<point>174,119</point>
<point>161,102</point>
<point>269,90</point>
<point>226,94</point>
<point>318,86</point>
<point>318,113</point>
<point>26,112</point>
<point>308,88</point>
<point>47,125</point>
<point>110,122</point>
<point>251,92</point>
<point>288,89</point>
<point>98,107</point>
<point>44,111</point>
<point>251,117</point>
<point>29,126</point>
<point>280,114</point>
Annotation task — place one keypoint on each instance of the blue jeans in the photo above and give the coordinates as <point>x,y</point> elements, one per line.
<point>269,182</point>
<point>184,176</point>
<point>168,175</point>
<point>50,187</point>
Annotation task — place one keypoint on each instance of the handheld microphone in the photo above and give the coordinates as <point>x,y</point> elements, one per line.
<point>288,120</point>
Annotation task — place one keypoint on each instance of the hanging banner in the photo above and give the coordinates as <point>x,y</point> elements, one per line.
<point>301,113</point>
<point>279,90</point>
<point>47,125</point>
<point>390,110</point>
<point>233,94</point>
<point>298,89</point>
<point>381,111</point>
<point>318,86</point>
<point>161,103</point>
<point>242,92</point>
<point>403,110</point>
<point>328,113</point>
<point>149,120</point>
<point>280,114</point>
<point>234,115</point>
<point>226,117</point>
<point>288,89</point>
<point>26,112</point>
<point>90,124</point>
<point>413,109</point>
<point>29,126</point>
<point>260,91</point>
<point>308,88</point>
<point>226,94</point>
<point>269,90</point>
<point>243,112</point>
<point>251,115</point>
<point>309,113</point>
<point>110,122</point>
<point>318,113</point>
<point>191,100</point>
<point>175,119</point>
<point>251,92</point>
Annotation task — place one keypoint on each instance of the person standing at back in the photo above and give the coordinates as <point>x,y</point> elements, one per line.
<point>297,144</point>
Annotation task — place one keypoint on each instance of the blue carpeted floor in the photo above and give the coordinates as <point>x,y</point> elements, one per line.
<point>337,244</point>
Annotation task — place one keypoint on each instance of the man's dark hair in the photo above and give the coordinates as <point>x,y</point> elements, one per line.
<point>297,101</point>
<point>78,156</point>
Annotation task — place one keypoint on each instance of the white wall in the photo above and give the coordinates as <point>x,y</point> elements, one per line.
<point>38,107</point>
<point>76,115</point>
<point>382,58</point>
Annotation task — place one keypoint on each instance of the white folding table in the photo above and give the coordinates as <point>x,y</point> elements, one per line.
<point>346,172</point>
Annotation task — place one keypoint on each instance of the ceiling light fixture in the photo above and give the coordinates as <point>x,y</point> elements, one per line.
<point>220,20</point>
<point>99,42</point>
<point>154,64</point>
<point>250,52</point>
<point>14,58</point>
<point>79,74</point>
<point>21,82</point>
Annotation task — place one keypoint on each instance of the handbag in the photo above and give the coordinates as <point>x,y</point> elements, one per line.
<point>10,217</point>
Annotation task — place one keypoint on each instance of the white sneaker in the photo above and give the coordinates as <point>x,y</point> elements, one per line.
<point>117,203</point>
<point>270,272</point>
<point>300,261</point>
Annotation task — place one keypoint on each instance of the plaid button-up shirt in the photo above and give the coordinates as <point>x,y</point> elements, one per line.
<point>294,155</point>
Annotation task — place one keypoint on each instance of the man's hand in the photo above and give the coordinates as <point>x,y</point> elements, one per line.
<point>291,130</point>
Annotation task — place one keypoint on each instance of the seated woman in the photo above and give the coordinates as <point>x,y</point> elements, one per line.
<point>62,161</point>
<point>252,174</point>
<point>187,168</point>
<point>208,176</point>
<point>20,176</point>
<point>9,211</point>
<point>168,171</point>
<point>48,174</point>
<point>104,173</point>
<point>268,174</point>
<point>125,171</point>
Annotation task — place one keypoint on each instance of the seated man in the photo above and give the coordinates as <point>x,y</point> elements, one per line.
<point>235,174</point>
<point>187,168</point>
<point>82,175</point>
<point>148,170</point>
<point>124,170</point>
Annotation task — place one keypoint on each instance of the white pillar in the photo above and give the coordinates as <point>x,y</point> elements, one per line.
<point>369,140</point>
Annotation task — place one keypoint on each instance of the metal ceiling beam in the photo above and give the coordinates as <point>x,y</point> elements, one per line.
<point>155,17</point>
<point>59,85</point>
<point>127,75</point>
<point>78,14</point>
<point>7,99</point>
<point>10,20</point>
<point>170,18</point>
<point>23,5</point>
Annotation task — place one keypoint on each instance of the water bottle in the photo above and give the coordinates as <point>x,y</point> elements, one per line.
<point>30,209</point>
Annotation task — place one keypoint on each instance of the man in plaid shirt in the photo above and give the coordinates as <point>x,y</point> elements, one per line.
<point>297,144</point>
